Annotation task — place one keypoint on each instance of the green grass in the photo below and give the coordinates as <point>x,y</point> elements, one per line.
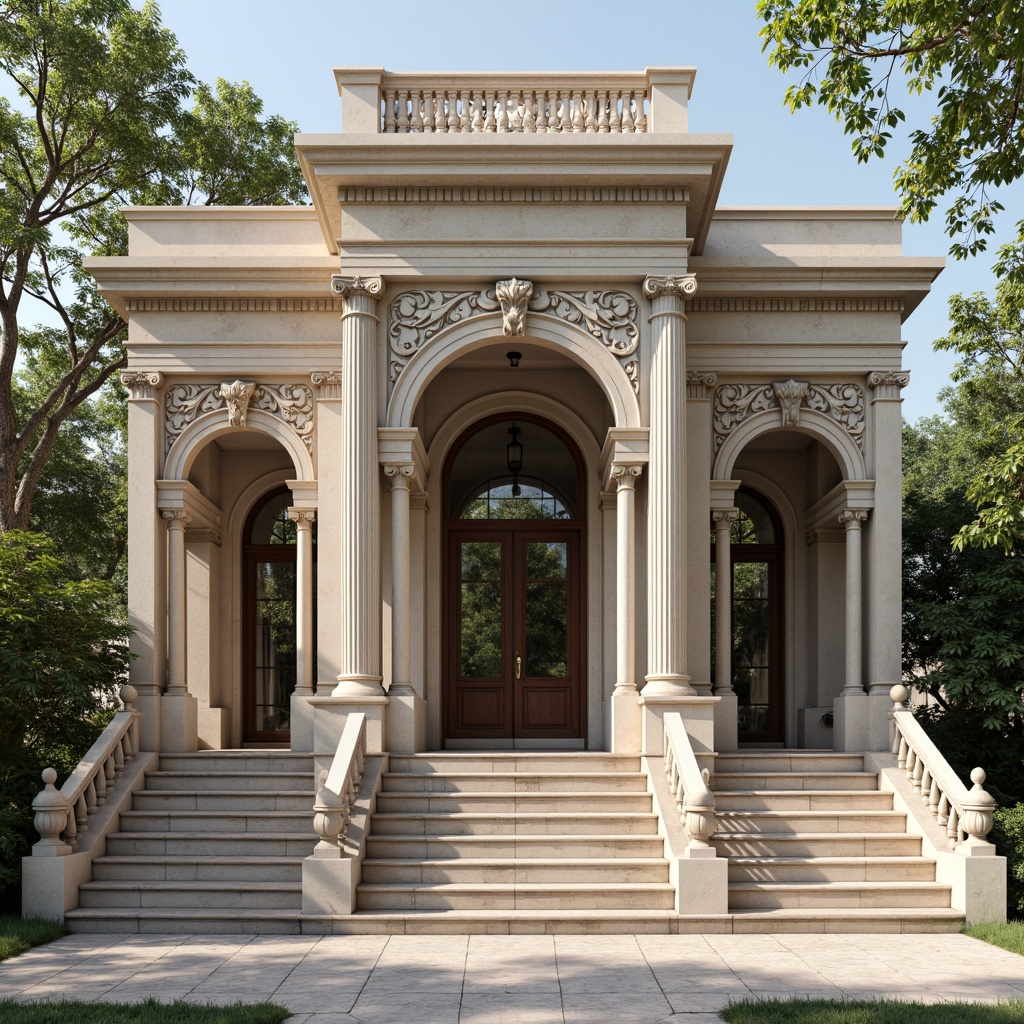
<point>888,1011</point>
<point>149,1012</point>
<point>1005,934</point>
<point>18,934</point>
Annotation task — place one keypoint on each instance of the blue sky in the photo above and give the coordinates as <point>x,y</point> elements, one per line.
<point>287,50</point>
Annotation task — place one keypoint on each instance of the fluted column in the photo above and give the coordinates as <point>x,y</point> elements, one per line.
<point>724,518</point>
<point>304,667</point>
<point>359,567</point>
<point>666,534</point>
<point>854,680</point>
<point>401,547</point>
<point>625,477</point>
<point>177,520</point>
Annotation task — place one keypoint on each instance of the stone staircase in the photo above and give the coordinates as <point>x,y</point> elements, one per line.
<point>813,844</point>
<point>214,842</point>
<point>539,834</point>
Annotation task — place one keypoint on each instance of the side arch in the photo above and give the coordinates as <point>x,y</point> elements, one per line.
<point>195,436</point>
<point>460,339</point>
<point>812,423</point>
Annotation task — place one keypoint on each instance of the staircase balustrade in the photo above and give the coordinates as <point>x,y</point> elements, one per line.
<point>61,815</point>
<point>966,815</point>
<point>338,787</point>
<point>507,105</point>
<point>689,784</point>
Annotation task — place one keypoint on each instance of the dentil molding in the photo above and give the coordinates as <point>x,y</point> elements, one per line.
<point>735,403</point>
<point>291,403</point>
<point>416,316</point>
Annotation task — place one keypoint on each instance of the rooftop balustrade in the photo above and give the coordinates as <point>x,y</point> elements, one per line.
<point>375,101</point>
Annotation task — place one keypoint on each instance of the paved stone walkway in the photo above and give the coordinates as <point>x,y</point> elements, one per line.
<point>528,979</point>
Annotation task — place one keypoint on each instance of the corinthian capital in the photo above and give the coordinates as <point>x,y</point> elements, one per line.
<point>141,383</point>
<point>348,286</point>
<point>682,286</point>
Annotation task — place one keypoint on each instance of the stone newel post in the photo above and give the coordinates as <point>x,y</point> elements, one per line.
<point>359,568</point>
<point>666,550</point>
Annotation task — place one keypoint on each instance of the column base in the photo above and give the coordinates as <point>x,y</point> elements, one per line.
<point>407,721</point>
<point>627,722</point>
<point>668,686</point>
<point>330,714</point>
<point>359,686</point>
<point>727,722</point>
<point>850,731</point>
<point>179,723</point>
<point>698,717</point>
<point>301,723</point>
<point>213,729</point>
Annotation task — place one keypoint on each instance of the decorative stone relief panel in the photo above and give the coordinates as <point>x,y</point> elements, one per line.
<point>611,317</point>
<point>735,403</point>
<point>292,403</point>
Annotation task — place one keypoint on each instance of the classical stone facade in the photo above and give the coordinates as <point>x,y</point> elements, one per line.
<point>515,439</point>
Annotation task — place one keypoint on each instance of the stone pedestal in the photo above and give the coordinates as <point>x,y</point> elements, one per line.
<point>727,722</point>
<point>179,723</point>
<point>698,716</point>
<point>301,723</point>
<point>330,713</point>
<point>407,722</point>
<point>850,729</point>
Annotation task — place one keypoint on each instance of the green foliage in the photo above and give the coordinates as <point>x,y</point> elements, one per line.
<point>873,1011</point>
<point>18,934</point>
<point>149,1012</point>
<point>967,54</point>
<point>63,650</point>
<point>1008,835</point>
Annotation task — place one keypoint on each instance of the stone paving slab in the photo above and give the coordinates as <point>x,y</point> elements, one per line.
<point>526,979</point>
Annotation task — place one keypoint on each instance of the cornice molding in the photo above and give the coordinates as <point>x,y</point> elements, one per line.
<point>497,195</point>
<point>737,305</point>
<point>225,305</point>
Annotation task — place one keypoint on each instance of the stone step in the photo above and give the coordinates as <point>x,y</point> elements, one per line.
<point>831,869</point>
<point>803,800</point>
<point>519,847</point>
<point>837,895</point>
<point>217,821</point>
<point>732,781</point>
<point>792,822</point>
<point>513,803</point>
<point>775,761</point>
<point>223,801</point>
<point>829,844</point>
<point>227,781</point>
<point>225,870</point>
<point>514,824</point>
<point>212,844</point>
<point>254,761</point>
<point>583,870</point>
<point>550,897</point>
<point>520,782</point>
<point>469,922</point>
<point>193,894</point>
<point>508,762</point>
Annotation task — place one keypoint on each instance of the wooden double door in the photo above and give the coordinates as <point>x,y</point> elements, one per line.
<point>514,659</point>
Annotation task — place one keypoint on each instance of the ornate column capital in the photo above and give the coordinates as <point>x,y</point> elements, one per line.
<point>699,384</point>
<point>679,287</point>
<point>177,518</point>
<point>725,517</point>
<point>141,383</point>
<point>302,517</point>
<point>349,286</point>
<point>887,384</point>
<point>625,474</point>
<point>327,383</point>
<point>852,518</point>
<point>400,473</point>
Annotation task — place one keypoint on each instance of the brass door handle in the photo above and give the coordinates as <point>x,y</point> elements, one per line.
<point>519,666</point>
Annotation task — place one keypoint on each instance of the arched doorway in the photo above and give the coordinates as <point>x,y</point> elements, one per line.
<point>758,623</point>
<point>514,531</point>
<point>268,618</point>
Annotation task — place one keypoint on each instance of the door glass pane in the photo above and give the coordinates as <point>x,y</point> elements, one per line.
<point>546,608</point>
<point>274,639</point>
<point>480,610</point>
<point>751,644</point>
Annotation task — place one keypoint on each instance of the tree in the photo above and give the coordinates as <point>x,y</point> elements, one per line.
<point>969,53</point>
<point>97,121</point>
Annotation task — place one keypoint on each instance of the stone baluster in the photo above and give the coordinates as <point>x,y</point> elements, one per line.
<point>477,121</point>
<point>305,669</point>
<point>330,819</point>
<point>454,123</point>
<point>359,568</point>
<point>723,518</point>
<point>614,117</point>
<point>177,519</point>
<point>627,112</point>
<point>389,111</point>
<point>640,122</point>
<point>501,112</point>
<point>51,818</point>
<point>490,119</point>
<point>403,112</point>
<point>579,124</point>
<point>465,112</point>
<point>590,119</point>
<point>529,120</point>
<point>602,112</point>
<point>666,549</point>
<point>565,124</point>
<point>543,99</point>
<point>429,110</point>
<point>852,519</point>
<point>416,115</point>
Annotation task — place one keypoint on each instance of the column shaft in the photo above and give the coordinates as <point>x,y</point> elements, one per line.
<point>401,673</point>
<point>625,581</point>
<point>854,682</point>
<point>177,520</point>
<point>724,518</point>
<point>304,667</point>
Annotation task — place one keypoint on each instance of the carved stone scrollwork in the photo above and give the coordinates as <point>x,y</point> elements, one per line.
<point>141,384</point>
<point>238,395</point>
<point>513,295</point>
<point>852,518</point>
<point>632,369</point>
<point>357,285</point>
<point>682,286</point>
<point>291,403</point>
<point>611,317</point>
<point>735,403</point>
